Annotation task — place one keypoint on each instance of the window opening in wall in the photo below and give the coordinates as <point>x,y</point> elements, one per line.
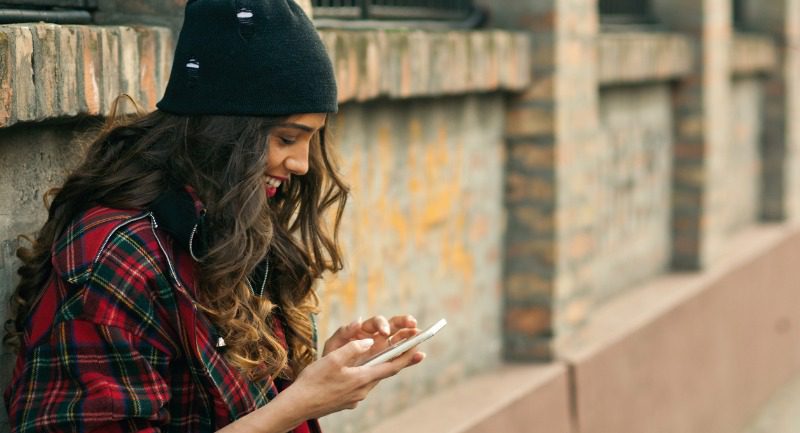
<point>625,12</point>
<point>368,13</point>
<point>738,14</point>
<point>51,11</point>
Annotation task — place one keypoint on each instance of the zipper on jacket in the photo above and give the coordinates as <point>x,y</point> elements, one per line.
<point>163,250</point>
<point>108,238</point>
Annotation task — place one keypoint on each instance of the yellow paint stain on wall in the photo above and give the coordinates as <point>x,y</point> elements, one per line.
<point>415,138</point>
<point>384,153</point>
<point>437,208</point>
<point>353,172</point>
<point>398,222</point>
<point>434,205</point>
<point>343,289</point>
<point>436,156</point>
<point>458,258</point>
<point>376,286</point>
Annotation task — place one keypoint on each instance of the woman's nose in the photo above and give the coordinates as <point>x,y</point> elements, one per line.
<point>297,161</point>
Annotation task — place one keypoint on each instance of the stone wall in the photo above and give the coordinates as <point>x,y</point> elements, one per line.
<point>632,187</point>
<point>56,72</point>
<point>32,161</point>
<point>424,155</point>
<point>422,235</point>
<point>741,177</point>
<point>623,157</point>
<point>568,214</point>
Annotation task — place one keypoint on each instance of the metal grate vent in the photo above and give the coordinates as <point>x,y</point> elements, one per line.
<point>53,11</point>
<point>625,11</point>
<point>739,16</point>
<point>394,9</point>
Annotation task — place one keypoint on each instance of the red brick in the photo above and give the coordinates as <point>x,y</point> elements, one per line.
<point>68,64</point>
<point>129,67</point>
<point>522,188</point>
<point>110,72</point>
<point>47,74</point>
<point>148,63</point>
<point>165,53</point>
<point>90,70</point>
<point>524,286</point>
<point>531,321</point>
<point>24,89</point>
<point>524,121</point>
<point>6,76</point>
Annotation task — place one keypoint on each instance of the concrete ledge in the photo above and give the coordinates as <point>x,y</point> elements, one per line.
<point>634,57</point>
<point>515,399</point>
<point>408,63</point>
<point>693,353</point>
<point>50,71</point>
<point>753,54</point>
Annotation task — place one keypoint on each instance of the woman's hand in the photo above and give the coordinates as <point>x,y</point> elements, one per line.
<point>337,381</point>
<point>384,332</point>
<point>334,382</point>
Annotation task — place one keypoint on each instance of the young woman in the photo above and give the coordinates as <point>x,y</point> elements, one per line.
<point>171,288</point>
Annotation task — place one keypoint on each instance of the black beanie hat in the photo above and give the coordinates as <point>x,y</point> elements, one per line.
<point>249,58</point>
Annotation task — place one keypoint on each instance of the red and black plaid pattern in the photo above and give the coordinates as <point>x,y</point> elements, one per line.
<point>116,344</point>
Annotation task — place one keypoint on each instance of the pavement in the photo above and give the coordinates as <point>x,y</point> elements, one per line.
<point>781,414</point>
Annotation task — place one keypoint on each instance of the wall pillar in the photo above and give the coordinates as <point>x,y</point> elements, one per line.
<point>781,140</point>
<point>552,131</point>
<point>703,129</point>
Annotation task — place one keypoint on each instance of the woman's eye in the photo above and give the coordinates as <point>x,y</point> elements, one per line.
<point>286,140</point>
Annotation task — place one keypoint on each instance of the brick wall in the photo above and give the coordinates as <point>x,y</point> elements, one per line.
<point>54,72</point>
<point>626,155</point>
<point>576,236</point>
<point>781,137</point>
<point>552,132</point>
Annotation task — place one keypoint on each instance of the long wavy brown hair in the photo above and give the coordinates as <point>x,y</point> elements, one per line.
<point>134,160</point>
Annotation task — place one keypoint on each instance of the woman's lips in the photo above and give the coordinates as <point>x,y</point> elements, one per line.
<point>272,185</point>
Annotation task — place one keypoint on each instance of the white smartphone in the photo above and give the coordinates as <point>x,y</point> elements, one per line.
<point>405,345</point>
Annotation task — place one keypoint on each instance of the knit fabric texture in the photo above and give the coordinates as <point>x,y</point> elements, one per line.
<point>249,58</point>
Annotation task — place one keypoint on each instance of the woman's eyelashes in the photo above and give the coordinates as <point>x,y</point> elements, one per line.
<point>287,140</point>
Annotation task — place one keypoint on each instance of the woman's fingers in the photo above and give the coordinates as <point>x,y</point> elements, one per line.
<point>380,325</point>
<point>342,335</point>
<point>397,323</point>
<point>377,325</point>
<point>402,335</point>
<point>384,331</point>
<point>348,354</point>
<point>390,368</point>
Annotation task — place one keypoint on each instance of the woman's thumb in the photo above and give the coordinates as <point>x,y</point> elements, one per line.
<point>355,348</point>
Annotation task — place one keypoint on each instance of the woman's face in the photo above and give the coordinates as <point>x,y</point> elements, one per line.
<point>288,148</point>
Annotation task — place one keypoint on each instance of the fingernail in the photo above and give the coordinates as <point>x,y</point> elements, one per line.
<point>385,329</point>
<point>366,343</point>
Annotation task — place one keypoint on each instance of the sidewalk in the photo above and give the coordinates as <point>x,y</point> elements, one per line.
<point>781,414</point>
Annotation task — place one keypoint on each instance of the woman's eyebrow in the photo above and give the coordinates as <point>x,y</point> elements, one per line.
<point>297,126</point>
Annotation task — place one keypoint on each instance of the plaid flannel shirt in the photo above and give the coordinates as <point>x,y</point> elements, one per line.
<point>116,343</point>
